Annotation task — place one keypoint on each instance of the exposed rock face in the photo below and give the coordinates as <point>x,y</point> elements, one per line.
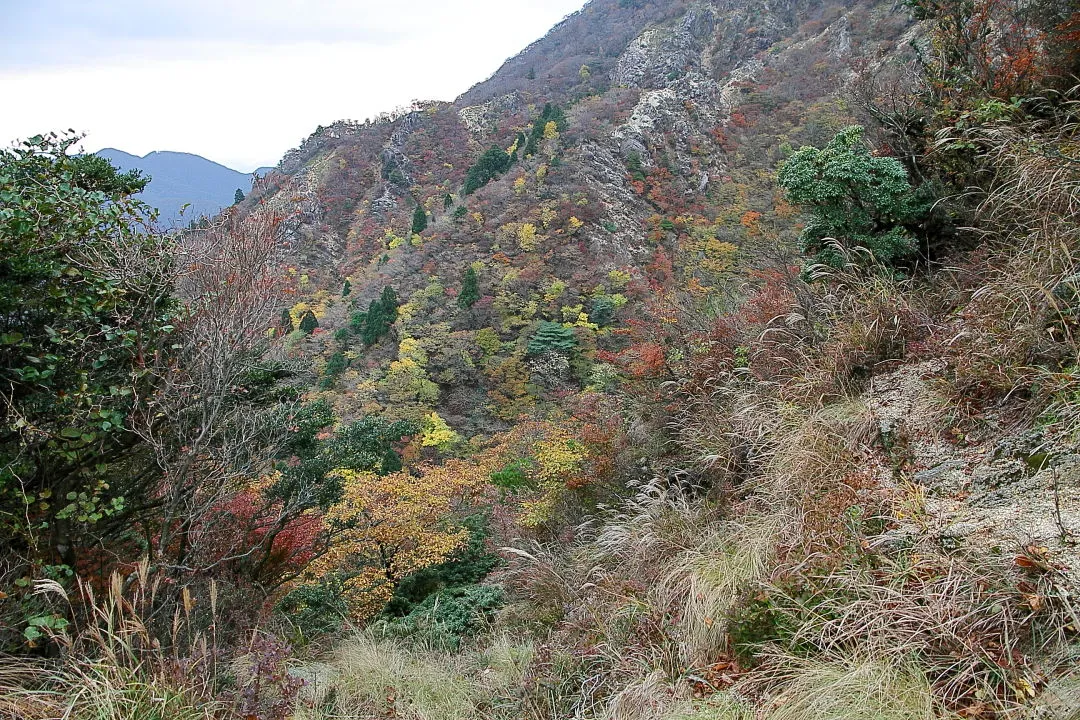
<point>479,119</point>
<point>999,490</point>
<point>658,56</point>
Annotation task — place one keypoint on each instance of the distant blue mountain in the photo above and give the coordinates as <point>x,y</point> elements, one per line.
<point>178,179</point>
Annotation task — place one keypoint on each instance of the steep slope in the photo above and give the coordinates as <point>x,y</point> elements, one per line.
<point>179,179</point>
<point>651,174</point>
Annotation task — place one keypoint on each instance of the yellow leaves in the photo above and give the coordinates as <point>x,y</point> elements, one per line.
<point>576,316</point>
<point>488,340</point>
<point>554,461</point>
<point>392,240</point>
<point>618,279</point>
<point>574,223</point>
<point>527,237</point>
<point>519,185</point>
<point>554,291</point>
<point>391,526</point>
<point>541,173</point>
<point>478,217</point>
<point>551,130</point>
<point>437,433</point>
<point>548,213</point>
<point>411,349</point>
<point>408,388</point>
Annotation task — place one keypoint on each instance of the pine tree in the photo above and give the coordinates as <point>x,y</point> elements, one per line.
<point>491,164</point>
<point>286,322</point>
<point>346,288</point>
<point>380,316</point>
<point>238,197</point>
<point>308,322</point>
<point>419,220</point>
<point>374,324</point>
<point>389,300</point>
<point>552,337</point>
<point>470,289</point>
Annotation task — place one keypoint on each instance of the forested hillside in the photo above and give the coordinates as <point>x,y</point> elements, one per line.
<point>712,359</point>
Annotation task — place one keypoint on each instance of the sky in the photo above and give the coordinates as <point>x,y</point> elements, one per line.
<point>242,81</point>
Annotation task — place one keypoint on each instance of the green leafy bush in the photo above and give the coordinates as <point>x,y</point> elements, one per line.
<point>856,200</point>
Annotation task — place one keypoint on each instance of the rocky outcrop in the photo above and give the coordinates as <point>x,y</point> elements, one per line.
<point>479,119</point>
<point>658,56</point>
<point>995,489</point>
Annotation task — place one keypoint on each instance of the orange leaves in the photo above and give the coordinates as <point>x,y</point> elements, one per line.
<point>652,361</point>
<point>749,219</point>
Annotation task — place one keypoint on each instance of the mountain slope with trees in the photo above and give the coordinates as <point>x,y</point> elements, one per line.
<point>710,360</point>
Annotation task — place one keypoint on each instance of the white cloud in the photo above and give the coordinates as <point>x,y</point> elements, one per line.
<point>260,77</point>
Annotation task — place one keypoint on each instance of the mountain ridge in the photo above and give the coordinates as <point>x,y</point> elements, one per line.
<point>181,179</point>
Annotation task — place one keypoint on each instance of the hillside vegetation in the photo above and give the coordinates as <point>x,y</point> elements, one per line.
<point>711,360</point>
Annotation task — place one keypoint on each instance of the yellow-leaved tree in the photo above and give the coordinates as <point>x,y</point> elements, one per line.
<point>387,528</point>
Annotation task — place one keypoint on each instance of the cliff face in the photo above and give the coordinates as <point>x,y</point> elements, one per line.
<point>657,171</point>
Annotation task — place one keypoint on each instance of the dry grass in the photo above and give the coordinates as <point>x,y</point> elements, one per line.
<point>1018,304</point>
<point>705,581</point>
<point>849,688</point>
<point>380,678</point>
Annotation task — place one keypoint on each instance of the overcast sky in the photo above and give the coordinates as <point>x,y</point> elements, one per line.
<point>242,81</point>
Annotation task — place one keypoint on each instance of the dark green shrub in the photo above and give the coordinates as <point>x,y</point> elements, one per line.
<point>552,337</point>
<point>856,200</point>
<point>493,163</point>
<point>419,220</point>
<point>308,322</point>
<point>470,289</point>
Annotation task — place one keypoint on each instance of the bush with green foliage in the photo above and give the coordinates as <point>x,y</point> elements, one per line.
<point>308,322</point>
<point>552,337</point>
<point>306,462</point>
<point>380,315</point>
<point>86,309</point>
<point>856,199</point>
<point>445,602</point>
<point>602,311</point>
<point>550,113</point>
<point>335,366</point>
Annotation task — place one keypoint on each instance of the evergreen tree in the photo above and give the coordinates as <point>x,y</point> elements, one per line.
<point>855,199</point>
<point>551,113</point>
<point>346,288</point>
<point>374,324</point>
<point>419,220</point>
<point>492,163</point>
<point>286,322</point>
<point>335,366</point>
<point>470,289</point>
<point>552,337</point>
<point>308,322</point>
<point>238,196</point>
<point>380,316</point>
<point>389,300</point>
<point>448,201</point>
